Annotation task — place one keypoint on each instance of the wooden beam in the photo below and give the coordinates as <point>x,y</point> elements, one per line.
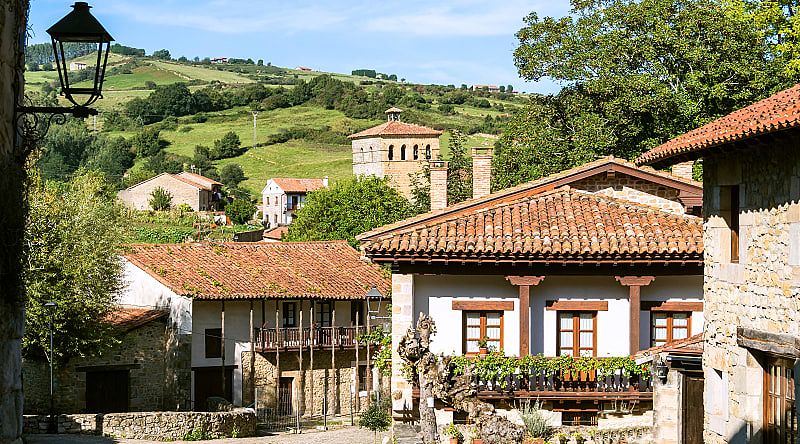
<point>525,283</point>
<point>252,355</point>
<point>671,306</point>
<point>312,336</point>
<point>525,280</point>
<point>635,280</point>
<point>334,384</point>
<point>483,305</point>
<point>222,352</point>
<point>355,379</point>
<point>634,284</point>
<point>277,355</point>
<point>301,398</point>
<point>570,305</point>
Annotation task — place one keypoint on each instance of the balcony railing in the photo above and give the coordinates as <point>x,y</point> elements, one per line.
<point>614,385</point>
<point>293,338</point>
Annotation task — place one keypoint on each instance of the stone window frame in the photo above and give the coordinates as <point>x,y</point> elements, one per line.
<point>730,209</point>
<point>428,153</point>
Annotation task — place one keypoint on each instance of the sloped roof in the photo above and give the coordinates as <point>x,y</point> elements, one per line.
<point>194,180</point>
<point>778,112</point>
<point>129,318</point>
<point>276,233</point>
<point>331,270</point>
<point>396,128</point>
<point>693,345</point>
<point>294,185</point>
<point>560,225</point>
<point>204,181</point>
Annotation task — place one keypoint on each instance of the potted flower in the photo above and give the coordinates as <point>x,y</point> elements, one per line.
<point>579,438</point>
<point>561,438</point>
<point>476,436</point>
<point>483,346</point>
<point>455,435</point>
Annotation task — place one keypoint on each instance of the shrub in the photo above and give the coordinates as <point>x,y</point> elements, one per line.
<point>160,199</point>
<point>536,425</point>
<point>240,211</point>
<point>228,146</point>
<point>376,417</point>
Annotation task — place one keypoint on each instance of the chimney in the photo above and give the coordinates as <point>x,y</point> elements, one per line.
<point>325,181</point>
<point>438,184</point>
<point>481,172</point>
<point>683,169</point>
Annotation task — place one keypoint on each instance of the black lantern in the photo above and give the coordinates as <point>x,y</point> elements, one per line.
<point>374,299</point>
<point>80,26</point>
<point>662,370</point>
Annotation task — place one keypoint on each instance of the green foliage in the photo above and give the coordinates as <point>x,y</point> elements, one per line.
<point>197,434</point>
<point>228,146</point>
<point>348,208</point>
<point>162,54</point>
<point>232,175</point>
<point>536,424</point>
<point>112,158</point>
<point>452,431</point>
<point>376,416</point>
<point>65,149</point>
<point>116,48</point>
<point>459,171</point>
<point>73,236</point>
<point>41,53</point>
<point>382,340</point>
<point>160,199</point>
<point>240,210</point>
<point>147,142</point>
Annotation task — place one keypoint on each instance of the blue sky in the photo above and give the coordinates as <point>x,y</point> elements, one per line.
<point>441,41</point>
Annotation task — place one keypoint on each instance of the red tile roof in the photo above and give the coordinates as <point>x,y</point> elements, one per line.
<point>292,185</point>
<point>332,270</point>
<point>129,318</point>
<point>692,345</point>
<point>276,233</point>
<point>775,113</point>
<point>561,225</point>
<point>396,128</point>
<point>204,181</point>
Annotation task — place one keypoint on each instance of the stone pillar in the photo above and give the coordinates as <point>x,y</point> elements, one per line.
<point>438,185</point>
<point>525,283</point>
<point>481,172</point>
<point>634,284</point>
<point>683,169</point>
<point>402,319</point>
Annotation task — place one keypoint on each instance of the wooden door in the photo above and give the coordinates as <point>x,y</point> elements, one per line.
<point>692,408</point>
<point>208,382</point>
<point>107,391</point>
<point>285,396</point>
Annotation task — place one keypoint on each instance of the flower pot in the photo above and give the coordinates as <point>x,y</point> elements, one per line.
<point>453,440</point>
<point>533,441</point>
<point>483,351</point>
<point>477,441</point>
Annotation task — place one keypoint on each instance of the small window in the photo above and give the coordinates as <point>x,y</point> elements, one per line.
<point>403,152</point>
<point>730,209</point>
<point>357,312</point>
<point>267,202</point>
<point>669,326</point>
<point>391,152</point>
<point>323,315</point>
<point>428,152</point>
<point>416,152</point>
<point>289,314</point>
<point>362,378</point>
<point>480,325</point>
<point>213,339</point>
<point>780,414</point>
<point>577,333</point>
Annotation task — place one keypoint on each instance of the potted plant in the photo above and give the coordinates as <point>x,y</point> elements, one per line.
<point>476,436</point>
<point>455,435</point>
<point>483,346</point>
<point>537,425</point>
<point>561,438</point>
<point>578,437</point>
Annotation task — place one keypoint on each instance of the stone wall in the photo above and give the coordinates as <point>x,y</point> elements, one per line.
<point>622,186</point>
<point>371,157</point>
<point>170,426</point>
<point>761,291</point>
<point>138,196</point>
<point>87,423</point>
<point>157,359</point>
<point>666,409</point>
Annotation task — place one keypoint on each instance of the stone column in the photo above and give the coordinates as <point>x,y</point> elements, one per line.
<point>402,319</point>
<point>683,169</point>
<point>481,172</point>
<point>524,283</point>
<point>438,185</point>
<point>634,284</point>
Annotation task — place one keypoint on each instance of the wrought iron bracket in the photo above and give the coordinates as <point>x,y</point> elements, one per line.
<point>33,122</point>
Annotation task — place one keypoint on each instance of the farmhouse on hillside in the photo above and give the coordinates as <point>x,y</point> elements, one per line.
<point>260,316</point>
<point>601,260</point>
<point>751,179</point>
<point>394,150</point>
<point>199,192</point>
<point>283,196</point>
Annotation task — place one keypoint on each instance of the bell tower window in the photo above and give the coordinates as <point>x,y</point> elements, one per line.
<point>391,152</point>
<point>403,152</point>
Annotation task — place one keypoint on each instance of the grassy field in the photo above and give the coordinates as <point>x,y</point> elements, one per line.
<point>200,73</point>
<point>137,79</point>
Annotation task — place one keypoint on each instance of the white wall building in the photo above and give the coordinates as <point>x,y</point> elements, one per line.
<point>282,197</point>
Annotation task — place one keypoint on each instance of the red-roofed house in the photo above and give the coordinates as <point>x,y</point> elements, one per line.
<point>394,149</point>
<point>253,312</point>
<point>199,192</point>
<point>601,260</point>
<point>751,181</point>
<point>283,196</point>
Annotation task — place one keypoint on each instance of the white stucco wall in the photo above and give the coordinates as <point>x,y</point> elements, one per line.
<point>143,290</point>
<point>277,204</point>
<point>434,294</point>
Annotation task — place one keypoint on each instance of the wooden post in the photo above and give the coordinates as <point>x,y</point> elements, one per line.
<point>252,355</point>
<point>334,384</point>
<point>301,397</point>
<point>368,372</point>
<point>525,283</point>
<point>355,389</point>
<point>277,356</point>
<point>634,284</point>
<point>312,337</point>
<point>222,343</point>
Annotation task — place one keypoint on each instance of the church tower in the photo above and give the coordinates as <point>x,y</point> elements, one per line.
<point>394,149</point>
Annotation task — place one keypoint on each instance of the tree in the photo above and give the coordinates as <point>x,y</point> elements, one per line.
<point>376,417</point>
<point>113,157</point>
<point>74,233</point>
<point>65,149</point>
<point>232,175</point>
<point>147,142</point>
<point>160,199</point>
<point>228,146</point>
<point>459,170</point>
<point>162,54</point>
<point>348,208</point>
<point>240,211</point>
<point>509,89</point>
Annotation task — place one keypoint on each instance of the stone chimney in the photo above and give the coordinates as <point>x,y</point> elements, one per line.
<point>438,184</point>
<point>325,181</point>
<point>683,169</point>
<point>481,172</point>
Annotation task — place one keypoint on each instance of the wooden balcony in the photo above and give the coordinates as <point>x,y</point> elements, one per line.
<point>295,338</point>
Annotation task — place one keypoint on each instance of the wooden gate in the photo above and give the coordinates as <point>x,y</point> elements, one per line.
<point>692,408</point>
<point>107,391</point>
<point>208,382</point>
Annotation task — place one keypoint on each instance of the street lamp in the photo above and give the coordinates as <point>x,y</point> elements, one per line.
<point>374,300</point>
<point>51,308</point>
<point>79,26</point>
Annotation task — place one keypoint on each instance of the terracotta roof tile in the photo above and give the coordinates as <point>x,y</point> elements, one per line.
<point>276,233</point>
<point>396,128</point>
<point>559,225</point>
<point>778,112</point>
<point>690,345</point>
<point>202,180</point>
<point>332,270</point>
<point>294,185</point>
<point>129,318</point>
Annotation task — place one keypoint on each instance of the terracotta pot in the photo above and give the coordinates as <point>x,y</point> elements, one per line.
<point>477,441</point>
<point>533,440</point>
<point>453,440</point>
<point>483,351</point>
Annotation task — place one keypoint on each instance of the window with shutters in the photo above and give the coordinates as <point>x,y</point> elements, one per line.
<point>324,314</point>
<point>780,415</point>
<point>480,325</point>
<point>577,333</point>
<point>669,326</point>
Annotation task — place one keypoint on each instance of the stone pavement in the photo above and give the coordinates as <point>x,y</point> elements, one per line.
<point>348,435</point>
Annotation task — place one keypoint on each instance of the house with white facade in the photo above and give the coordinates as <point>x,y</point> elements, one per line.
<point>283,196</point>
<point>751,206</point>
<point>277,321</point>
<point>602,260</point>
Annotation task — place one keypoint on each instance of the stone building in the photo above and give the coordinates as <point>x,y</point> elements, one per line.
<point>276,322</point>
<point>395,150</point>
<point>601,260</point>
<point>144,372</point>
<point>199,192</point>
<point>751,179</point>
<point>282,197</point>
